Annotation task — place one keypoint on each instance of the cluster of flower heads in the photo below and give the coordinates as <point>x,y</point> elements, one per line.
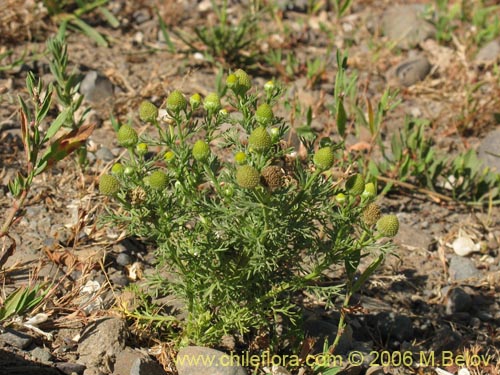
<point>260,141</point>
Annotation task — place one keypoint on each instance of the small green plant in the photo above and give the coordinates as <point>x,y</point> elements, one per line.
<point>341,7</point>
<point>5,66</point>
<point>412,157</point>
<point>21,301</point>
<point>225,43</point>
<point>42,149</point>
<point>241,228</point>
<point>484,20</point>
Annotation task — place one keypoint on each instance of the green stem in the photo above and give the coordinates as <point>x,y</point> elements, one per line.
<point>11,216</point>
<point>342,324</point>
<point>213,178</point>
<point>308,184</point>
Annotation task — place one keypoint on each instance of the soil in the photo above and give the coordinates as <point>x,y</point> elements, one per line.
<point>452,301</point>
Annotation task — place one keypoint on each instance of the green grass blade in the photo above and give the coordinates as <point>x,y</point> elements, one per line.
<point>90,32</point>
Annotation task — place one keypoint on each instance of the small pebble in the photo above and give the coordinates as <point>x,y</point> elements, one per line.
<point>104,154</point>
<point>412,71</point>
<point>15,338</point>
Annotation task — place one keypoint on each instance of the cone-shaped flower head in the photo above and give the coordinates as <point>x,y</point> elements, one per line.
<point>260,140</point>
<point>148,111</point>
<point>109,185</point>
<point>117,169</point>
<point>212,102</point>
<point>195,101</point>
<point>269,86</point>
<point>273,177</point>
<point>388,225</point>
<point>158,180</point>
<point>240,158</point>
<point>244,81</point>
<point>247,177</point>
<point>323,158</point>
<point>371,214</point>
<point>232,81</point>
<point>264,114</point>
<point>355,184</point>
<point>176,102</point>
<point>169,156</point>
<point>201,150</point>
<point>127,136</point>
<point>340,198</point>
<point>370,190</point>
<point>142,148</point>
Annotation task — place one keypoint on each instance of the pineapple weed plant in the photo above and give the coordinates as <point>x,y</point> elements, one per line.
<point>240,239</point>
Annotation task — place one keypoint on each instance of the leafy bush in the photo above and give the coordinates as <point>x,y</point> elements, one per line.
<point>241,226</point>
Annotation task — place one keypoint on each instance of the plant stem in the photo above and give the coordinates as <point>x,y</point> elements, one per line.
<point>342,324</point>
<point>16,206</point>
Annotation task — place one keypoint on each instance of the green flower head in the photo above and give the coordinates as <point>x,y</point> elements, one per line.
<point>176,102</point>
<point>195,101</point>
<point>269,86</point>
<point>240,158</point>
<point>264,114</point>
<point>323,158</point>
<point>148,112</point>
<point>117,169</point>
<point>169,156</point>
<point>141,148</point>
<point>201,150</point>
<point>127,136</point>
<point>212,102</point>
<point>244,81</point>
<point>355,184</point>
<point>158,180</point>
<point>232,81</point>
<point>388,225</point>
<point>370,190</point>
<point>109,185</point>
<point>247,177</point>
<point>260,140</point>
<point>340,198</point>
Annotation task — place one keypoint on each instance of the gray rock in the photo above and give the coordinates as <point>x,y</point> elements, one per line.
<point>489,152</point>
<point>446,339</point>
<point>104,154</point>
<point>390,325</point>
<point>15,338</point>
<point>135,362</point>
<point>70,368</point>
<point>412,238</point>
<point>124,259</point>
<point>406,26</point>
<point>489,53</point>
<point>484,316</point>
<point>293,5</point>
<point>462,268</point>
<point>141,16</point>
<point>222,364</point>
<point>458,301</point>
<point>101,341</point>
<point>96,87</point>
<point>117,278</point>
<point>412,70</point>
<point>41,355</point>
<point>28,370</point>
<point>146,366</point>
